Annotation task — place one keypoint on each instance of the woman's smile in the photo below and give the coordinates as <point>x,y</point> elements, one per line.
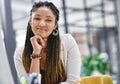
<point>41,30</point>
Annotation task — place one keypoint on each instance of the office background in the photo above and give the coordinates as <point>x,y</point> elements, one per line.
<point>93,23</point>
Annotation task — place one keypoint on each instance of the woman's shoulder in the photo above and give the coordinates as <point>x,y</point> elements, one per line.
<point>67,36</point>
<point>68,40</point>
<point>18,51</point>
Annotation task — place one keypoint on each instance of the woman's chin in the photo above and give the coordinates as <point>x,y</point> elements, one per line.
<point>43,36</point>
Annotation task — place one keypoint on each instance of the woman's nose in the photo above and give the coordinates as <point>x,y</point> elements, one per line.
<point>42,23</point>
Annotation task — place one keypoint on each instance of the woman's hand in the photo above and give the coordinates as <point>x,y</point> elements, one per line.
<point>37,43</point>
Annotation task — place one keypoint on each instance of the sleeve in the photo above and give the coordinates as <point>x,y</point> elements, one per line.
<point>73,60</point>
<point>18,63</point>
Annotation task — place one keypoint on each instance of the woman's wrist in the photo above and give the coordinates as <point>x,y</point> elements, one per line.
<point>35,56</point>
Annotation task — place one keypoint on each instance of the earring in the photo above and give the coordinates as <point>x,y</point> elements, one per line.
<point>55,32</point>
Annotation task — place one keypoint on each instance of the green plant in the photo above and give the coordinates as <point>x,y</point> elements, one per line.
<point>95,62</point>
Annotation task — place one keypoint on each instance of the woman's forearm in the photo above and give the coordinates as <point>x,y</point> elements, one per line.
<point>35,62</point>
<point>35,66</point>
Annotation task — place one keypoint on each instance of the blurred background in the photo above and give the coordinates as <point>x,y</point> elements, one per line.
<point>93,23</point>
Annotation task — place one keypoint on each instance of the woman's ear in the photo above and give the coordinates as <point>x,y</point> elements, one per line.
<point>56,25</point>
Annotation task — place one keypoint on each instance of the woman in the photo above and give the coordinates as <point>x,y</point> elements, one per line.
<point>55,57</point>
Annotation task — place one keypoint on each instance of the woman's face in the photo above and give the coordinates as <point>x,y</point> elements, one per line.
<point>43,22</point>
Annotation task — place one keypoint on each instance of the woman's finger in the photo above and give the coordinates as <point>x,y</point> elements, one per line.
<point>41,40</point>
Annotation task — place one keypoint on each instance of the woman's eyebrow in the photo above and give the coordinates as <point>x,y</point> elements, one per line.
<point>49,16</point>
<point>37,15</point>
<point>41,15</point>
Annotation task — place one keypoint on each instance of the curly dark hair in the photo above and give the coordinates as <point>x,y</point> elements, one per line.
<point>54,69</point>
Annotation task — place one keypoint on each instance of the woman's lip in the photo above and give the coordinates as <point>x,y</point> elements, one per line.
<point>41,29</point>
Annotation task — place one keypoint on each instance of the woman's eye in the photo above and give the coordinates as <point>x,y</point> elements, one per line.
<point>49,20</point>
<point>36,18</point>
